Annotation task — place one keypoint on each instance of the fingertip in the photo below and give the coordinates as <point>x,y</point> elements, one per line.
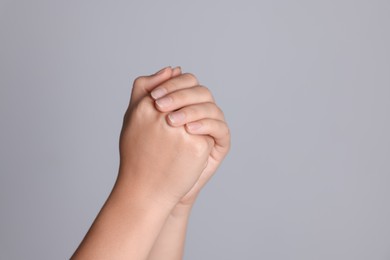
<point>177,118</point>
<point>158,92</point>
<point>159,77</point>
<point>176,71</point>
<point>171,121</point>
<point>163,70</point>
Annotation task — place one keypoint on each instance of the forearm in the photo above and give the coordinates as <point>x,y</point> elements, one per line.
<point>171,240</point>
<point>126,227</point>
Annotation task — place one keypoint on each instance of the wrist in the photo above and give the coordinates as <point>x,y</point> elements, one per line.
<point>133,192</point>
<point>130,191</point>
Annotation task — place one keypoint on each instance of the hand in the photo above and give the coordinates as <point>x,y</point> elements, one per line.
<point>160,161</point>
<point>191,105</point>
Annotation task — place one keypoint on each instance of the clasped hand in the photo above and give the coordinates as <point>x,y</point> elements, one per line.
<point>174,137</point>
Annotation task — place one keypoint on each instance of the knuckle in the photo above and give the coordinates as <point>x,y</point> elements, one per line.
<point>224,128</point>
<point>227,136</point>
<point>191,78</point>
<point>139,81</point>
<point>191,111</point>
<point>178,95</point>
<point>227,131</point>
<point>145,106</point>
<point>210,143</point>
<point>206,91</point>
<point>218,110</point>
<point>171,85</point>
<point>221,112</point>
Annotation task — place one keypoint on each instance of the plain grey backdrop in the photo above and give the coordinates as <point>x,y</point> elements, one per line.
<point>305,86</point>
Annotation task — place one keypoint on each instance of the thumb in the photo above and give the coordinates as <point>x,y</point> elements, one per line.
<point>144,84</point>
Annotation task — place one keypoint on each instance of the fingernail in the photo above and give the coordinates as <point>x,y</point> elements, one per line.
<point>158,92</point>
<point>176,117</point>
<point>164,102</point>
<point>193,126</point>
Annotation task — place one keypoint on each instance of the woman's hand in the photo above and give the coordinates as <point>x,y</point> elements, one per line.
<point>160,161</point>
<point>188,104</point>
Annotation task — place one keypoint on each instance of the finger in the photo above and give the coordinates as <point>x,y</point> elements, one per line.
<point>182,81</point>
<point>217,129</point>
<point>184,97</point>
<point>194,113</point>
<point>176,71</point>
<point>144,84</point>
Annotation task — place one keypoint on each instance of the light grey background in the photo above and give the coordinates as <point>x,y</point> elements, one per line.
<point>305,86</point>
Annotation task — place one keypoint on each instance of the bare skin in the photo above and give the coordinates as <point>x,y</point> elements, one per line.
<point>173,139</point>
